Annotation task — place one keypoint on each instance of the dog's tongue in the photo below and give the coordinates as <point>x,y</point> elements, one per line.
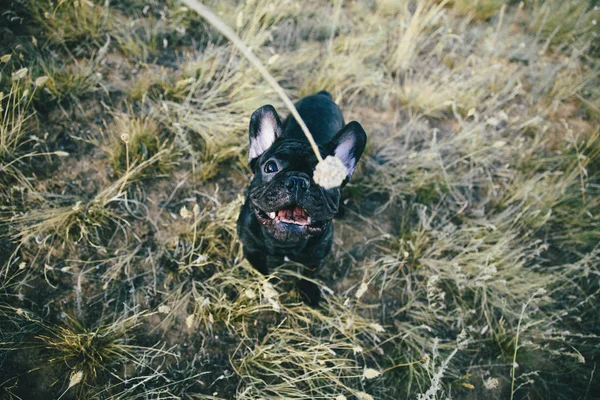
<point>295,215</point>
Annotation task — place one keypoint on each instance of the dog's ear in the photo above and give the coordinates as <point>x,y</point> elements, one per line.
<point>348,145</point>
<point>265,127</point>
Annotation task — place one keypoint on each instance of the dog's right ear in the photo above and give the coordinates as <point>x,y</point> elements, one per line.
<point>265,128</point>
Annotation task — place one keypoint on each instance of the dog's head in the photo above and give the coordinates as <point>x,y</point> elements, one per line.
<point>283,194</point>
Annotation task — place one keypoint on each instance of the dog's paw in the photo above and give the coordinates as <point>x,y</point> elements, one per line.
<point>310,292</point>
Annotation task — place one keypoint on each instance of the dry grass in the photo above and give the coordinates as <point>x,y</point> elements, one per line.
<point>465,265</point>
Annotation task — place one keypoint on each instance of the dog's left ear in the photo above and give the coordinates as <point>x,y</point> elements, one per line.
<point>265,128</point>
<point>348,145</point>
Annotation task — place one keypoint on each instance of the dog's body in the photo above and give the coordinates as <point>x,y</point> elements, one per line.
<point>286,214</point>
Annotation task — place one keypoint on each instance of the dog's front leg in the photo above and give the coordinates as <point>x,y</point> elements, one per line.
<point>258,260</point>
<point>309,290</point>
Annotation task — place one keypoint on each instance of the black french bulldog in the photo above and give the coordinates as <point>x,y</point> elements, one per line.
<point>286,214</point>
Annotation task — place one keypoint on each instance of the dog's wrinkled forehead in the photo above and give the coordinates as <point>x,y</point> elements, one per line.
<point>296,154</point>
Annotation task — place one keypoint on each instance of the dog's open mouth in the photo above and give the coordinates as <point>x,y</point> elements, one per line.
<point>290,215</point>
<point>291,218</point>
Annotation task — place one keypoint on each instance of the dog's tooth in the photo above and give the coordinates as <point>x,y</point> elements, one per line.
<point>272,215</point>
<point>308,220</point>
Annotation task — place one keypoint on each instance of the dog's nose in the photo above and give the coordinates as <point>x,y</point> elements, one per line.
<point>297,182</point>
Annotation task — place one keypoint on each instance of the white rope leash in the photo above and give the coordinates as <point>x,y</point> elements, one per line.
<point>226,31</point>
<point>330,172</point>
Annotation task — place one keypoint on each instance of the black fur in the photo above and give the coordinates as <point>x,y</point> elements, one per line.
<point>266,243</point>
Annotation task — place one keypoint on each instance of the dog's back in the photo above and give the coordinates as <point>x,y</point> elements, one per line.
<point>322,117</point>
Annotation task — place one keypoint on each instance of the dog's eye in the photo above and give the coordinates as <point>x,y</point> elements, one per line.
<point>271,167</point>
